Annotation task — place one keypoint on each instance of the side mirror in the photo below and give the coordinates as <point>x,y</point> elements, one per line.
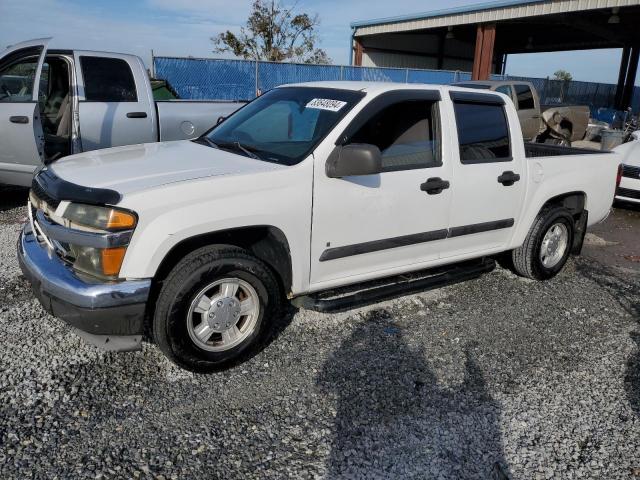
<point>220,119</point>
<point>354,159</point>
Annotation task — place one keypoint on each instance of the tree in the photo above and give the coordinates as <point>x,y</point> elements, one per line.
<point>274,32</point>
<point>563,75</point>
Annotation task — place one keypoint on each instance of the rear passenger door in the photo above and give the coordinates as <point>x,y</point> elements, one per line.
<point>487,196</point>
<point>115,104</point>
<point>369,225</point>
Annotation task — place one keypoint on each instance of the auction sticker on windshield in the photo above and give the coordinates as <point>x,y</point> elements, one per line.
<point>326,104</point>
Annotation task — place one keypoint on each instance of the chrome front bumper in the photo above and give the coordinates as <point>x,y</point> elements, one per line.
<point>109,315</point>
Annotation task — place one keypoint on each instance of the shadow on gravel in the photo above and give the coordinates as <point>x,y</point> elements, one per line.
<point>393,420</point>
<point>627,294</point>
<point>12,197</point>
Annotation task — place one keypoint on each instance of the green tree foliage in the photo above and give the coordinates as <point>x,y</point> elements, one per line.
<point>276,33</point>
<point>563,75</point>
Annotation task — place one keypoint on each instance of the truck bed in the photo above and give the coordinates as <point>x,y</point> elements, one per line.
<point>180,119</point>
<point>546,150</point>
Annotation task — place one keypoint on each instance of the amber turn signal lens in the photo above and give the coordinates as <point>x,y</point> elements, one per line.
<point>112,260</point>
<point>119,219</point>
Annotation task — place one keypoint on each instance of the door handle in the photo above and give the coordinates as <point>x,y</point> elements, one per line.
<point>508,178</point>
<point>19,119</point>
<point>137,115</point>
<point>434,186</point>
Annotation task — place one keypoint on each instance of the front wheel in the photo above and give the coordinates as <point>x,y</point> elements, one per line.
<point>547,247</point>
<point>215,308</point>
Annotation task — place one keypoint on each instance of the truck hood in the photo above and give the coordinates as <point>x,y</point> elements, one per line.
<point>139,167</point>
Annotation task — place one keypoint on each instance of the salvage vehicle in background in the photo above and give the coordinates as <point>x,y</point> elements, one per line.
<point>55,103</point>
<point>558,124</point>
<point>308,189</point>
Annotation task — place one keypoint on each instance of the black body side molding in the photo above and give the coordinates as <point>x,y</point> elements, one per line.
<point>406,240</point>
<point>481,227</point>
<point>48,186</point>
<point>377,245</point>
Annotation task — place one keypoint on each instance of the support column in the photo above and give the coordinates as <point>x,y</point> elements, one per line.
<point>357,58</point>
<point>483,57</point>
<point>441,39</point>
<point>622,75</point>
<point>630,81</point>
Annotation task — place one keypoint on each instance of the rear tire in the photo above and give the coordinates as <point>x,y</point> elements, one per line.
<point>547,247</point>
<point>215,308</point>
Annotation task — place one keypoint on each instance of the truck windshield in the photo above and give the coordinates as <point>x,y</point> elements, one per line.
<point>285,124</point>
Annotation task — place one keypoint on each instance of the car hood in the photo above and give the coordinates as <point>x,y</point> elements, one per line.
<point>139,167</point>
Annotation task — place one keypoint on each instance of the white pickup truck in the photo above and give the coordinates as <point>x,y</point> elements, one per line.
<point>629,189</point>
<point>320,193</point>
<point>58,102</point>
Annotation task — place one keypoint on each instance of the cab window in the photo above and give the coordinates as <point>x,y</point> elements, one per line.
<point>407,134</point>
<point>107,80</point>
<point>17,79</point>
<point>483,132</point>
<point>525,97</point>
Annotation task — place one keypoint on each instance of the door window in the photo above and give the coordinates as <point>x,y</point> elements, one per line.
<point>17,80</point>
<point>407,134</point>
<point>525,97</point>
<point>483,132</point>
<point>107,80</point>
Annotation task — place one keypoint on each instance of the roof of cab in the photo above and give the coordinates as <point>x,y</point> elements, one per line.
<point>379,87</point>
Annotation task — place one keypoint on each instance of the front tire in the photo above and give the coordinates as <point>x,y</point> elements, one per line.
<point>547,247</point>
<point>215,308</point>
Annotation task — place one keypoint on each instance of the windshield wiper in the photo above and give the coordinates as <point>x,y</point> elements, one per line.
<point>206,141</point>
<point>247,150</point>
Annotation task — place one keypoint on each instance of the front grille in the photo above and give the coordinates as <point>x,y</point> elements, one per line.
<point>40,192</point>
<point>631,172</point>
<point>627,192</point>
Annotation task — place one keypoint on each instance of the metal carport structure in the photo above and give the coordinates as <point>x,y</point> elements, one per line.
<point>478,38</point>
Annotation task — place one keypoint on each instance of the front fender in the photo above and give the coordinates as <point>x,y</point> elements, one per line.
<point>208,206</point>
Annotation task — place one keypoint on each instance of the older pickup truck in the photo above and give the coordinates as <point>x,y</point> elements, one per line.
<point>559,124</point>
<point>58,102</point>
<point>322,193</point>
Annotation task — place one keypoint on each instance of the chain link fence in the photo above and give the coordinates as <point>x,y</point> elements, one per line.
<point>237,80</point>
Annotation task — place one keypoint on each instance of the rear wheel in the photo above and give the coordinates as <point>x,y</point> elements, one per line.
<point>215,308</point>
<point>548,245</point>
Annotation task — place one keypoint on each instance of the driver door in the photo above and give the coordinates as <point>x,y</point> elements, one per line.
<point>382,224</point>
<point>21,134</point>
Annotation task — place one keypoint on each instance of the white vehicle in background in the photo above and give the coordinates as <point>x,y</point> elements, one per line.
<point>307,189</point>
<point>55,103</point>
<point>629,189</point>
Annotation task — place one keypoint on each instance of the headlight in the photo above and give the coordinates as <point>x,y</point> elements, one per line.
<point>101,218</point>
<point>104,222</point>
<point>100,262</point>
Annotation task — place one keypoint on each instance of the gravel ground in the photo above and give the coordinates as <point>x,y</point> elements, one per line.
<point>542,379</point>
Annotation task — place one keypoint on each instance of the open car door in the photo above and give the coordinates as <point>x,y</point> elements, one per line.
<point>21,134</point>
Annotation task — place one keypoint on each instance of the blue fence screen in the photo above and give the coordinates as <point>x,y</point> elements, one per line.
<point>222,79</point>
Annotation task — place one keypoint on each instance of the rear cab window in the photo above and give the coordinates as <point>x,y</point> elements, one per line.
<point>525,97</point>
<point>483,128</point>
<point>107,80</point>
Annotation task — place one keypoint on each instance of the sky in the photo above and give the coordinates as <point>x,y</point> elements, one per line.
<point>184,27</point>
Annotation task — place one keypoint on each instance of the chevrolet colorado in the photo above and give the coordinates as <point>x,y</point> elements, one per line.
<point>322,193</point>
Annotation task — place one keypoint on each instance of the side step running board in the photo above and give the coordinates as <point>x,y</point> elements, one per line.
<point>337,300</point>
